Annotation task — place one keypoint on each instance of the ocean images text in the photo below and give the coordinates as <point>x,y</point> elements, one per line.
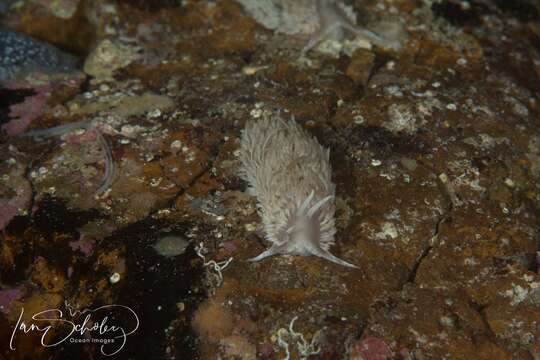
<point>77,323</point>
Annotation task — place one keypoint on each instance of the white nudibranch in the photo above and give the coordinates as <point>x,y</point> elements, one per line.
<point>289,172</point>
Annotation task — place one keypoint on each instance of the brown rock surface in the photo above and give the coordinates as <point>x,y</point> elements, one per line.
<point>435,155</point>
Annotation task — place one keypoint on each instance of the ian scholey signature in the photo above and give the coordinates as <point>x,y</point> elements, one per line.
<point>81,326</point>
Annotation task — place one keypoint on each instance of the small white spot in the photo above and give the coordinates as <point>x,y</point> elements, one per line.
<point>358,119</point>
<point>250,227</point>
<point>127,130</point>
<point>252,70</point>
<point>176,144</point>
<point>154,113</point>
<point>256,113</point>
<point>114,278</point>
<point>155,182</point>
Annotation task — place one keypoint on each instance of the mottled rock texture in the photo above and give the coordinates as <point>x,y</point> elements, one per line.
<point>434,147</point>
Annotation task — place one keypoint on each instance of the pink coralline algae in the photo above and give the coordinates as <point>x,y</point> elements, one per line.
<point>24,113</point>
<point>22,190</point>
<point>371,348</point>
<point>85,246</point>
<point>8,296</point>
<point>7,212</point>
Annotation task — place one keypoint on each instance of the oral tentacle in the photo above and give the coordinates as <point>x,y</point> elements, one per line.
<point>328,256</point>
<point>274,250</point>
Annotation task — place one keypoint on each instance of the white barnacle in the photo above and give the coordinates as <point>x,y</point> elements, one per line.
<point>289,172</point>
